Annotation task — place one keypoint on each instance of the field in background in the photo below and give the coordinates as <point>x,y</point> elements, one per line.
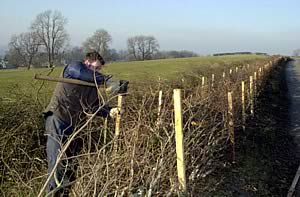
<point>133,71</point>
<point>296,57</point>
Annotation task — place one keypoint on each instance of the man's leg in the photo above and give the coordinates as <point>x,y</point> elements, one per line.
<point>55,129</point>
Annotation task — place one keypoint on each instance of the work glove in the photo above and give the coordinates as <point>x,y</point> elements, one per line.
<point>115,111</point>
<point>123,86</point>
<point>116,86</point>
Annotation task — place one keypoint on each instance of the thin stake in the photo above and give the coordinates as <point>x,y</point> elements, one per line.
<point>251,96</point>
<point>118,119</point>
<point>260,71</point>
<point>254,84</point>
<point>203,81</point>
<point>179,140</point>
<point>243,105</point>
<point>159,103</point>
<point>231,124</point>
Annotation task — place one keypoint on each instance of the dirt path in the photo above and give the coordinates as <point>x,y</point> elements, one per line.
<point>293,83</point>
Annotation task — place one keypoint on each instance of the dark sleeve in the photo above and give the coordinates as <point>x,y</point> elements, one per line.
<point>104,112</point>
<point>81,72</point>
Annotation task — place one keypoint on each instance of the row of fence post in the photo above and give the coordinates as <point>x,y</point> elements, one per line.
<point>179,135</point>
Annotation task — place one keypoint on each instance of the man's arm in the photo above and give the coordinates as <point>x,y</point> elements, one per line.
<point>105,111</point>
<point>80,71</point>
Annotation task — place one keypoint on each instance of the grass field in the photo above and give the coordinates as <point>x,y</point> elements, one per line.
<point>132,71</point>
<point>296,57</point>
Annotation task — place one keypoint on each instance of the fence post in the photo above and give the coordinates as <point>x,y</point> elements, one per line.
<point>212,80</point>
<point>254,84</point>
<point>179,140</point>
<point>118,123</point>
<point>159,103</point>
<point>158,123</point>
<point>118,119</point>
<point>203,81</point>
<point>251,96</point>
<point>243,105</point>
<point>260,72</point>
<point>231,124</point>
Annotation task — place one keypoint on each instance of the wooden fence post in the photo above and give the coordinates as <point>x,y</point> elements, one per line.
<point>118,119</point>
<point>179,140</point>
<point>159,103</point>
<point>118,123</point>
<point>251,96</point>
<point>260,72</point>
<point>254,84</point>
<point>203,81</point>
<point>231,124</point>
<point>243,105</point>
<point>203,87</point>
<point>158,123</point>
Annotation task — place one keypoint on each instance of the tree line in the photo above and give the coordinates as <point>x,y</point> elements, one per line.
<point>47,43</point>
<point>240,53</point>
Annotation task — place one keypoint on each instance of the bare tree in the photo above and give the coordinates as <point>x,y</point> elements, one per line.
<point>132,48</point>
<point>74,54</point>
<point>99,42</point>
<point>142,47</point>
<point>50,28</point>
<point>123,55</point>
<point>12,57</point>
<point>25,46</point>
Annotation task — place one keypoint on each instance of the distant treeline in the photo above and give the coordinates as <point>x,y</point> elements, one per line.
<point>239,53</point>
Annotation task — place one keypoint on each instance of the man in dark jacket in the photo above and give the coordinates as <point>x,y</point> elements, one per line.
<point>65,111</point>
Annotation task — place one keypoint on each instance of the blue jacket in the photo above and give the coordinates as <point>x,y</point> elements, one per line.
<point>70,100</point>
<point>78,70</point>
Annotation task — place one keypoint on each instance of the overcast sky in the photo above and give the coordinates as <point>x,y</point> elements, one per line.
<point>202,26</point>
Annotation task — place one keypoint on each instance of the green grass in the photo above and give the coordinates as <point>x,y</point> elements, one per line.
<point>132,71</point>
<point>170,68</point>
<point>296,57</point>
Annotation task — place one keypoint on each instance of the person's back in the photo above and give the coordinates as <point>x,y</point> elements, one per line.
<point>69,100</point>
<point>68,103</point>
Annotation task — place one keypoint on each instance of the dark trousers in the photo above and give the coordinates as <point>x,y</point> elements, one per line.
<point>57,135</point>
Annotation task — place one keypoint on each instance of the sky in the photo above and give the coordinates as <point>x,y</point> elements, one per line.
<point>202,26</point>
